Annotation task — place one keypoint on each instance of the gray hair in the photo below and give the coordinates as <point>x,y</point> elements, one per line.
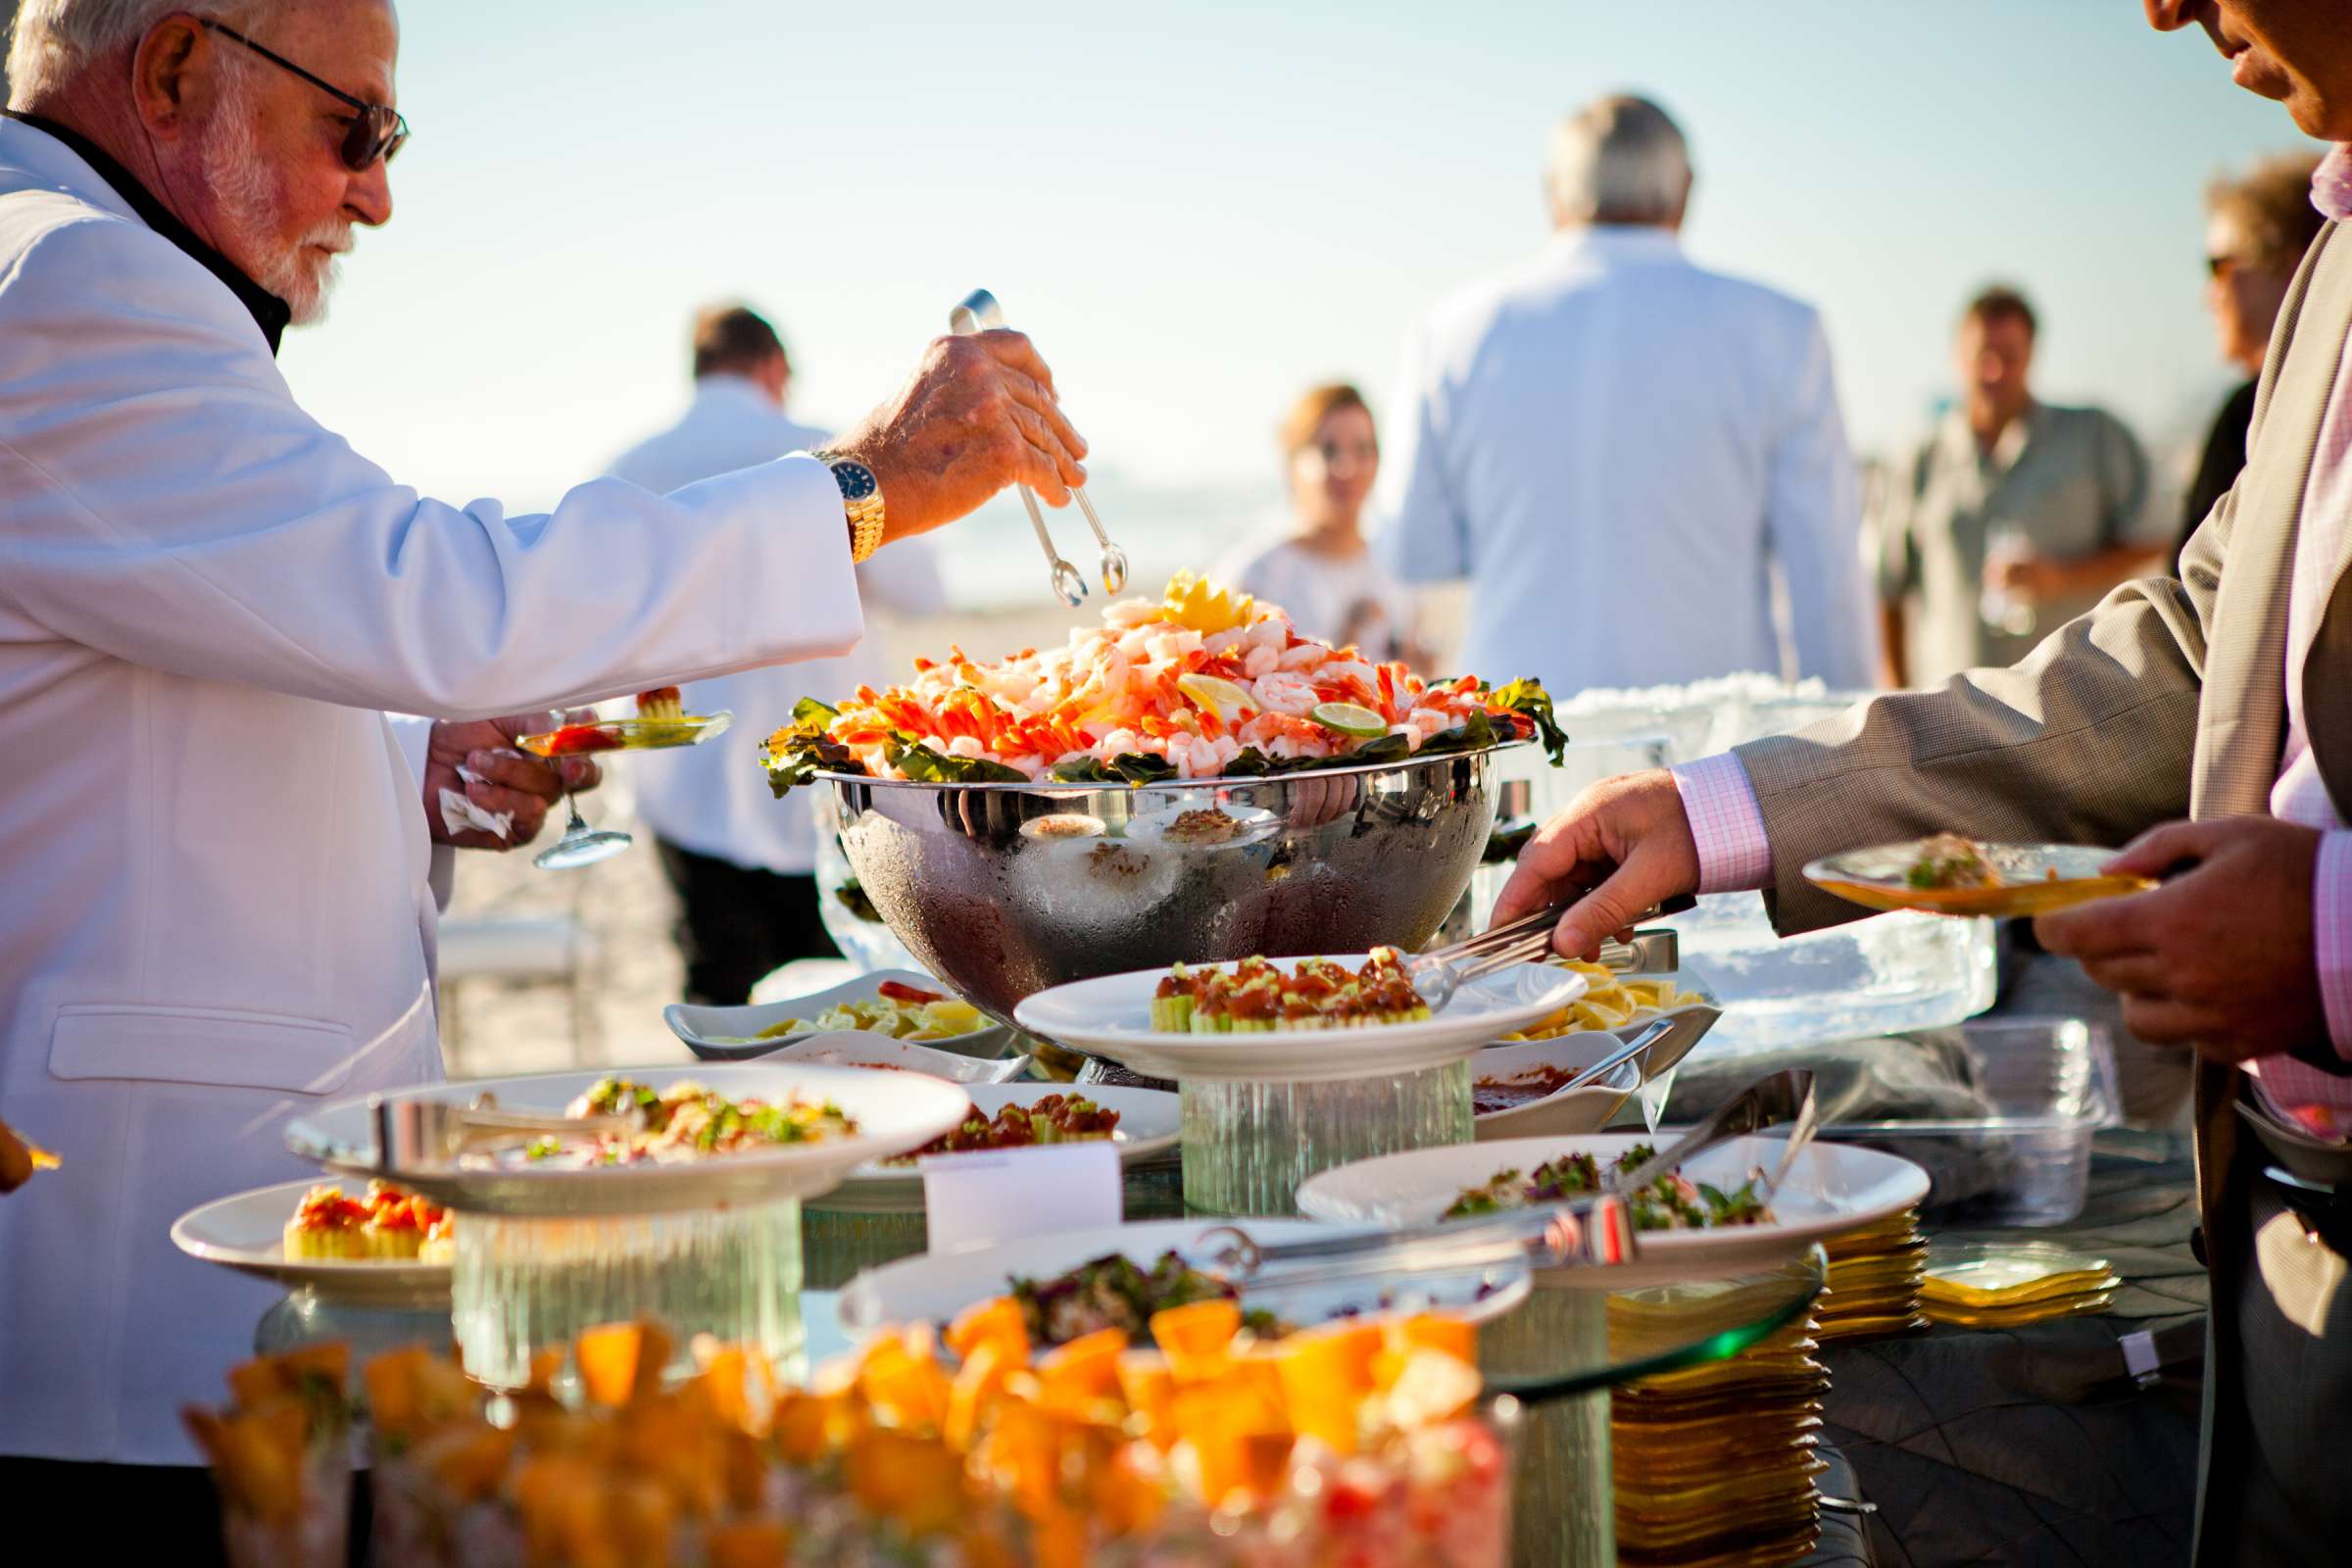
<point>53,39</point>
<point>1619,160</point>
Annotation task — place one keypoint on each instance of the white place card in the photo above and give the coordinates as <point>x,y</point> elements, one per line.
<point>999,1195</point>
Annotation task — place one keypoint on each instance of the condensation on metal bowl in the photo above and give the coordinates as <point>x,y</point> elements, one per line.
<point>1003,890</point>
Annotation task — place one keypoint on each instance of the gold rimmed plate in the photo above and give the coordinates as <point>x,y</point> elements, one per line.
<point>2033,879</point>
<point>1977,1275</point>
<point>2014,1317</point>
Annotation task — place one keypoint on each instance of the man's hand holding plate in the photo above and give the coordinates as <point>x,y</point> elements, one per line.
<point>504,780</point>
<point>2221,956</point>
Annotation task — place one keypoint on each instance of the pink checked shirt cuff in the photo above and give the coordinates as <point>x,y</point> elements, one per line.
<point>2332,935</point>
<point>1734,855</point>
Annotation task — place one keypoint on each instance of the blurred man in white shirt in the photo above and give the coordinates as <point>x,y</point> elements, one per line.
<point>741,861</point>
<point>1622,450</point>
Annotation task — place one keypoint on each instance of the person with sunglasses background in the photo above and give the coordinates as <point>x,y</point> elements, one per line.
<point>218,848</point>
<point>2257,226</point>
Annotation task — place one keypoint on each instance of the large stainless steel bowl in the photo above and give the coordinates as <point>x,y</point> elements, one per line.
<point>1003,890</point>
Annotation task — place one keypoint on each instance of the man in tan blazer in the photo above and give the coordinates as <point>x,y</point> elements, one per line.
<point>2223,698</point>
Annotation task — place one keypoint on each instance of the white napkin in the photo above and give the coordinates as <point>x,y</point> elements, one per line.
<point>460,815</point>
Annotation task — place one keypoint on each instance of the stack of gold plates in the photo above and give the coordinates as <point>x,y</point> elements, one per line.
<point>1994,1285</point>
<point>1874,1280</point>
<point>1715,1465</point>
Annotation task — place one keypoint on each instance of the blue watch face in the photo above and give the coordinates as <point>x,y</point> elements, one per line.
<point>856,479</point>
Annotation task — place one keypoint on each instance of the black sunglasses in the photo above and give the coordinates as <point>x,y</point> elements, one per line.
<point>376,131</point>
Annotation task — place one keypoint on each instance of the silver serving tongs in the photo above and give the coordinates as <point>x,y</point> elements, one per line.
<point>977,312</point>
<point>421,1133</point>
<point>1594,1232</point>
<point>1439,972</point>
<point>1776,1100</point>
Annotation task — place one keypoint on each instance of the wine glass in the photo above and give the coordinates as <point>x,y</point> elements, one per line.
<point>2006,545</point>
<point>582,845</point>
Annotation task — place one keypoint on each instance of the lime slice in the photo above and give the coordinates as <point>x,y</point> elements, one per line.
<point>1218,695</point>
<point>1350,718</point>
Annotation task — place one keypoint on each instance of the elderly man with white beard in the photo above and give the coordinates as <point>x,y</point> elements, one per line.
<point>215,846</point>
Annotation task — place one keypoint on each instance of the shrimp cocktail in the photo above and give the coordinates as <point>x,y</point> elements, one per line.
<point>1192,779</point>
<point>1202,684</point>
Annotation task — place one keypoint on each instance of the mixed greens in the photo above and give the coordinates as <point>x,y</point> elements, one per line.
<point>1672,1203</point>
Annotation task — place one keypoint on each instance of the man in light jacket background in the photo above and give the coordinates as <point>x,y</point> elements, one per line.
<point>742,865</point>
<point>214,843</point>
<point>1623,450</point>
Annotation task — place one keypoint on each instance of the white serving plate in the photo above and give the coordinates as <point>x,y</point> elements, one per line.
<point>1111,1017</point>
<point>1150,1125</point>
<point>1588,1110</point>
<point>895,1111</point>
<point>1830,1188</point>
<point>861,1048</point>
<point>1563,1111</point>
<point>247,1233</point>
<point>933,1287</point>
<point>730,1034</point>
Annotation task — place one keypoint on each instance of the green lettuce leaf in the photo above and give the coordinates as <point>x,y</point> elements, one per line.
<point>927,766</point>
<point>803,753</point>
<point>1527,697</point>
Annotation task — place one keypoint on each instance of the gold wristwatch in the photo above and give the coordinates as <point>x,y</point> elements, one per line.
<point>860,501</point>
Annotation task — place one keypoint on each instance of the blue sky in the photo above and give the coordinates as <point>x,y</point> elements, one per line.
<point>1198,210</point>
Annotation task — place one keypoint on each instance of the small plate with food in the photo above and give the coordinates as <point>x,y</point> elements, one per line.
<point>1519,1088</point>
<point>1140,1123</point>
<point>1519,1091</point>
<point>1073,1283</point>
<point>854,1047</point>
<point>1293,1020</point>
<point>889,1003</point>
<point>363,1244</point>
<point>660,724</point>
<point>1704,1221</point>
<point>1949,874</point>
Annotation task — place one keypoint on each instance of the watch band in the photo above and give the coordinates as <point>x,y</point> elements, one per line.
<point>860,501</point>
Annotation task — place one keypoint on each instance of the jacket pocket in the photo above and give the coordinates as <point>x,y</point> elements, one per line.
<point>213,1046</point>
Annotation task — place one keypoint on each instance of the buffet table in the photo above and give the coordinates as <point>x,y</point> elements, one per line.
<point>1559,1352</point>
<point>1970,1443</point>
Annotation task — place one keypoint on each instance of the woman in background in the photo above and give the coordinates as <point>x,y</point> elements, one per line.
<point>2257,227</point>
<point>1323,573</point>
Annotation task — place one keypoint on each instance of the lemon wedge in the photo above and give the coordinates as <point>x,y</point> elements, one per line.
<point>1205,606</point>
<point>1218,695</point>
<point>1349,719</point>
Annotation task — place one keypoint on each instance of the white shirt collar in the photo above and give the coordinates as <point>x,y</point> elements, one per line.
<point>1616,243</point>
<point>52,162</point>
<point>722,386</point>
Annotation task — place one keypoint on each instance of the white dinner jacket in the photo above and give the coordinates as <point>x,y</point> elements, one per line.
<point>213,852</point>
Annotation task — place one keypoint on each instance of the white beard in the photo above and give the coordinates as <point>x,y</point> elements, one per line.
<point>240,181</point>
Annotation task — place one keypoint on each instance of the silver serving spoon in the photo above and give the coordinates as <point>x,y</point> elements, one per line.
<point>977,312</point>
<point>426,1134</point>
